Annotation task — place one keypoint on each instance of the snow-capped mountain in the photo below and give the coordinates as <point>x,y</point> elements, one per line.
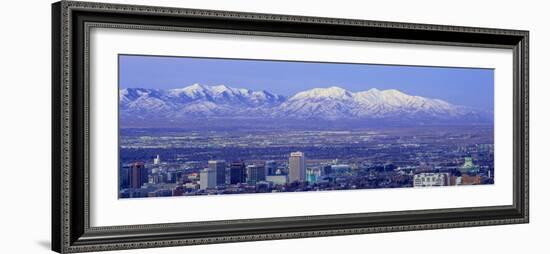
<point>222,94</point>
<point>193,101</point>
<point>196,102</point>
<point>336,102</point>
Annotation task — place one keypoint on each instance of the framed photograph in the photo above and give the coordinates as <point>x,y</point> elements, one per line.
<point>182,126</point>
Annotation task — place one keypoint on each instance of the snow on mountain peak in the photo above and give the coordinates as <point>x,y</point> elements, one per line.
<point>194,87</point>
<point>333,92</point>
<point>326,103</point>
<point>194,98</point>
<point>220,89</point>
<point>373,90</point>
<point>192,91</point>
<point>393,92</point>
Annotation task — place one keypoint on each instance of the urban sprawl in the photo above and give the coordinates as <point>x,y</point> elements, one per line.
<point>172,163</point>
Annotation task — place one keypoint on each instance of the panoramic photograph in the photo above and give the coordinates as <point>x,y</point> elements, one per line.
<point>191,126</point>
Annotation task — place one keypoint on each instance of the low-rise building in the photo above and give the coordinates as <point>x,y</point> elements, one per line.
<point>277,179</point>
<point>431,179</point>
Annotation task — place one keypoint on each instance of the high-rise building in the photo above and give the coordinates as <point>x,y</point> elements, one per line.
<point>255,173</point>
<point>137,175</point>
<point>219,167</point>
<point>271,167</point>
<point>124,177</point>
<point>237,172</point>
<point>297,167</point>
<point>208,179</point>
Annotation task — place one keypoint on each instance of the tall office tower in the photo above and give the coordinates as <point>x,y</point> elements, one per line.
<point>124,177</point>
<point>219,167</point>
<point>237,172</point>
<point>208,179</point>
<point>271,167</point>
<point>138,175</point>
<point>255,173</point>
<point>297,167</point>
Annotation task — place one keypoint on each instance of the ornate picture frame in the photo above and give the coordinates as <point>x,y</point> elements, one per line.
<point>71,24</point>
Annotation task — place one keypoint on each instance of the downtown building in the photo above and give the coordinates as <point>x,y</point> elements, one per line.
<point>431,179</point>
<point>156,160</point>
<point>313,175</point>
<point>137,175</point>
<point>297,167</point>
<point>208,179</point>
<point>469,166</point>
<point>255,173</point>
<point>237,172</point>
<point>277,179</point>
<point>219,167</point>
<point>271,167</point>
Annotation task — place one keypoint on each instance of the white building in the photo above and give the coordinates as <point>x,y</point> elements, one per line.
<point>431,179</point>
<point>207,179</point>
<point>156,160</point>
<point>458,180</point>
<point>277,179</point>
<point>297,167</point>
<point>155,170</point>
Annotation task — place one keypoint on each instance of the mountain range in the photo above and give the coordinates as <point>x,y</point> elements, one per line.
<point>201,103</point>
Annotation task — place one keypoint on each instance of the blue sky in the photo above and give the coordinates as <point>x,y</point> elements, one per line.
<point>464,86</point>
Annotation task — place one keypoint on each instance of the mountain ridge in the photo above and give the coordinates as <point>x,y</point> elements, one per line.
<point>332,103</point>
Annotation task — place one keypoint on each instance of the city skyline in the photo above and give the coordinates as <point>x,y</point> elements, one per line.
<point>421,158</point>
<point>256,174</point>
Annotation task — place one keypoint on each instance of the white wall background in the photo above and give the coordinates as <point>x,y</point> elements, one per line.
<point>25,125</point>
